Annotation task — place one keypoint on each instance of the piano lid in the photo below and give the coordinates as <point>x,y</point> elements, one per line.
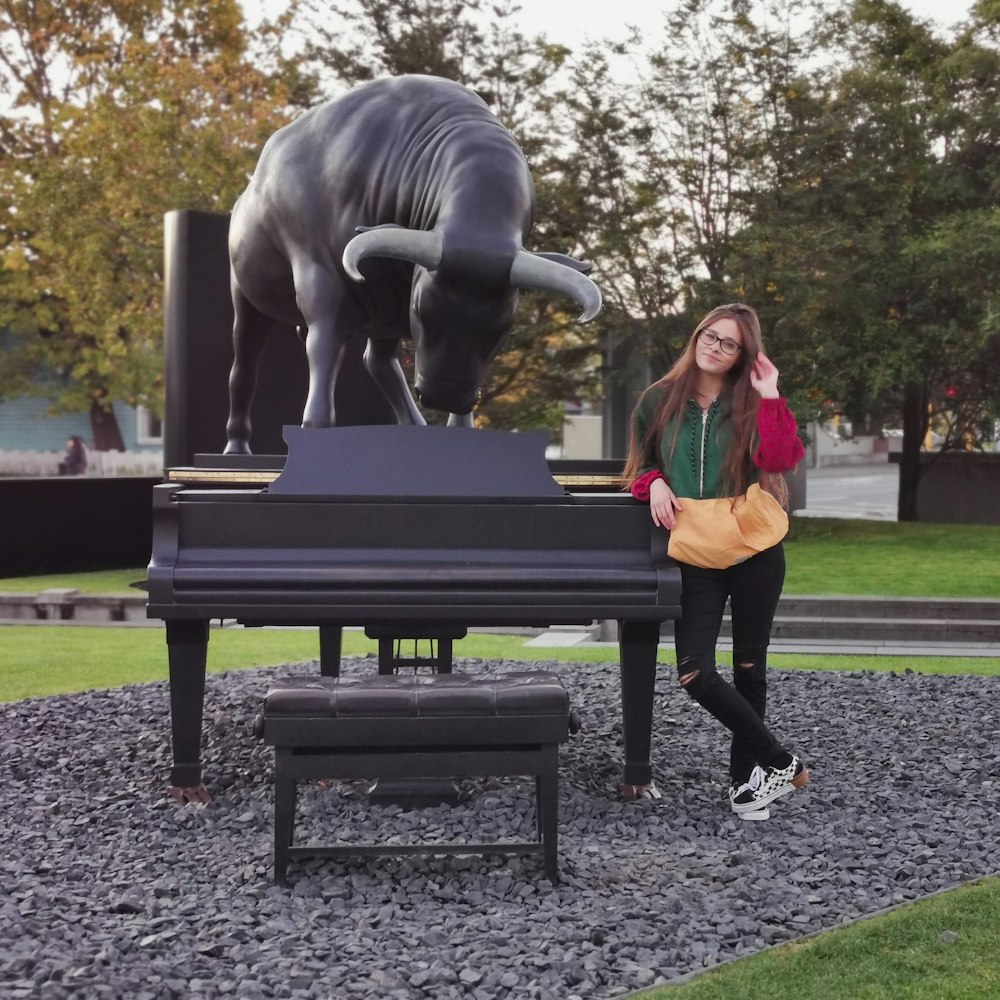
<point>385,461</point>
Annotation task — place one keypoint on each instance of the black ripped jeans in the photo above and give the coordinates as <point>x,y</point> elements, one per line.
<point>753,588</point>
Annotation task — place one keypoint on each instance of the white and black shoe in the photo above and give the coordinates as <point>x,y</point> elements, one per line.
<point>767,784</point>
<point>738,793</point>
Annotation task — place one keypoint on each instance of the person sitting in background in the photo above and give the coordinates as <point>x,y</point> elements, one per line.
<point>75,461</point>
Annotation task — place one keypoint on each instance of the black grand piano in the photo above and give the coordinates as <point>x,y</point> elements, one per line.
<point>411,532</point>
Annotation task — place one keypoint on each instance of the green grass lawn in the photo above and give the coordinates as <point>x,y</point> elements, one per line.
<point>900,956</point>
<point>108,581</point>
<point>943,948</point>
<point>825,556</point>
<point>36,660</point>
<point>886,558</point>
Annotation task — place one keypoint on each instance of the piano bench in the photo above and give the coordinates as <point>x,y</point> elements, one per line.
<point>433,725</point>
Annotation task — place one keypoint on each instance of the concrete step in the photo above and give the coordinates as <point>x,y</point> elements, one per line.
<point>864,629</point>
<point>843,619</point>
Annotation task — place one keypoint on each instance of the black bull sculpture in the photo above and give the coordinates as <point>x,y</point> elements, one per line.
<point>399,209</point>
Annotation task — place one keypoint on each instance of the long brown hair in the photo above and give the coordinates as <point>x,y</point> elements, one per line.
<point>678,387</point>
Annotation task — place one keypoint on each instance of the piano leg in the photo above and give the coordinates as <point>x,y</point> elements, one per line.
<point>187,651</point>
<point>547,809</point>
<point>386,655</point>
<point>330,641</point>
<point>444,657</point>
<point>637,650</point>
<point>285,788</point>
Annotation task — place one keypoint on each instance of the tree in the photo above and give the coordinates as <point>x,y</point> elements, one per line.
<point>366,39</point>
<point>668,164</point>
<point>876,238</point>
<point>546,359</point>
<point>118,112</point>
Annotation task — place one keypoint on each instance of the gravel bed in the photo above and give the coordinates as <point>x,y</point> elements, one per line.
<point>109,889</point>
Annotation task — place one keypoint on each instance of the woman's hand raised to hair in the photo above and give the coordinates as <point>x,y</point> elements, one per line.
<point>662,504</point>
<point>764,377</point>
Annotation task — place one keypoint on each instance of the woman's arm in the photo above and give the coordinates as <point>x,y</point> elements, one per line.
<point>641,484</point>
<point>650,485</point>
<point>779,447</point>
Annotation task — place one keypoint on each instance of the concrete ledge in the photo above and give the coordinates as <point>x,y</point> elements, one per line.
<point>63,604</point>
<point>14,607</point>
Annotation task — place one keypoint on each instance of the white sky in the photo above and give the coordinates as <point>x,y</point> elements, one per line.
<point>572,22</point>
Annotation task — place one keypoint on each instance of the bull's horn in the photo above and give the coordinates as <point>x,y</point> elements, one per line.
<point>418,246</point>
<point>531,271</point>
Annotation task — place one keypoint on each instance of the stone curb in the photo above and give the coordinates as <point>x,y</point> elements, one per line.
<point>67,605</point>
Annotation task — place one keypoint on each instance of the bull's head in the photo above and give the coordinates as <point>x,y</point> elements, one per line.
<point>463,301</point>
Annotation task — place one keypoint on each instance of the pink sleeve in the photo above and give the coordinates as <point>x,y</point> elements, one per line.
<point>779,448</point>
<point>640,485</point>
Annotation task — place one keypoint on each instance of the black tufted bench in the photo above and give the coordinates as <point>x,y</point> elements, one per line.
<point>434,725</point>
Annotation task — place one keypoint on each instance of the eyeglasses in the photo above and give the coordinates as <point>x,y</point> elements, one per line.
<point>710,337</point>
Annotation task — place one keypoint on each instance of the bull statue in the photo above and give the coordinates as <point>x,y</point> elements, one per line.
<point>397,210</point>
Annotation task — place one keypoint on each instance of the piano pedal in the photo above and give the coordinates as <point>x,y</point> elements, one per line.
<point>390,650</point>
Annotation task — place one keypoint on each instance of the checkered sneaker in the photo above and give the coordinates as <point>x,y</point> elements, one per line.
<point>767,784</point>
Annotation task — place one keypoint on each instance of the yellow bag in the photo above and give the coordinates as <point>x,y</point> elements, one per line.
<point>716,534</point>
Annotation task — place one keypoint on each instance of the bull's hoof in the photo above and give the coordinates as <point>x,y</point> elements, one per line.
<point>237,446</point>
<point>196,795</point>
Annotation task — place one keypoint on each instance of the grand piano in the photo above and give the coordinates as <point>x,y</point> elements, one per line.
<point>411,532</point>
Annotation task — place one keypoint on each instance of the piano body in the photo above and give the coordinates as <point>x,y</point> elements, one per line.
<point>413,532</point>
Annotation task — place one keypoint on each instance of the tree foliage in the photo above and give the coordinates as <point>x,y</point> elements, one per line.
<point>546,359</point>
<point>671,164</point>
<point>838,167</point>
<point>873,246</point>
<point>117,112</point>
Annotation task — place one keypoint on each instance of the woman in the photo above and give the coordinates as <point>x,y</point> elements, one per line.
<point>711,427</point>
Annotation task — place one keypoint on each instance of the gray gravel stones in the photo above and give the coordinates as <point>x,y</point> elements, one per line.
<point>109,889</point>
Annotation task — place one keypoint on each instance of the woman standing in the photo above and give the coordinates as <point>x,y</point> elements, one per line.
<point>711,427</point>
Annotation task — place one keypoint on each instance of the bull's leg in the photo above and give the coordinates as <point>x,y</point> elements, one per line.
<point>319,297</point>
<point>250,329</point>
<point>382,363</point>
<point>325,352</point>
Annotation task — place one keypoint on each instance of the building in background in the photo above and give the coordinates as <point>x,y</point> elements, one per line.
<point>33,442</point>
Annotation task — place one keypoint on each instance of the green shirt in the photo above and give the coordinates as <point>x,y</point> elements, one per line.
<point>702,442</point>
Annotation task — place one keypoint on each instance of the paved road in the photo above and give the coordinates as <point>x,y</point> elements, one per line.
<point>863,491</point>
